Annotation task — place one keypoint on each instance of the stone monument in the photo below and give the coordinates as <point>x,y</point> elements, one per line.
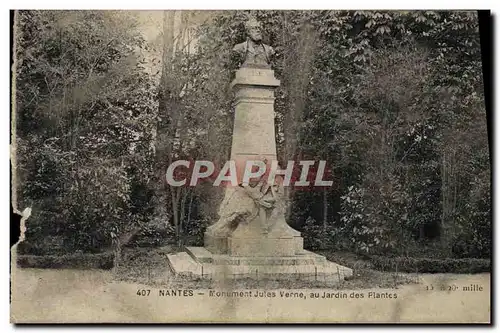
<point>251,237</point>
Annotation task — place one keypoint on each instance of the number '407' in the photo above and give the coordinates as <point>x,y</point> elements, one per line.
<point>143,292</point>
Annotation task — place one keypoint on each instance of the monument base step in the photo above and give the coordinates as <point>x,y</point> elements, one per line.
<point>182,264</point>
<point>198,262</point>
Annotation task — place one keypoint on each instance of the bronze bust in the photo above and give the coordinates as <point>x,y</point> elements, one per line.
<point>255,53</point>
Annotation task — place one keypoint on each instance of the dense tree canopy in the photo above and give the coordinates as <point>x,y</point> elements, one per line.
<point>392,100</point>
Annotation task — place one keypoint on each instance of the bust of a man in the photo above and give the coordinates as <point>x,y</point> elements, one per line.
<point>253,52</point>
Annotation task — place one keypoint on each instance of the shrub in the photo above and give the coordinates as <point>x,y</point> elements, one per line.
<point>76,260</point>
<point>431,265</point>
<point>152,236</point>
<point>195,231</point>
<point>318,237</point>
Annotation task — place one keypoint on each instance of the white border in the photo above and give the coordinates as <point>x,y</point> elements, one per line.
<point>253,4</point>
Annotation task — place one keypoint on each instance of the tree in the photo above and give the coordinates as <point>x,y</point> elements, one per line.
<point>86,111</point>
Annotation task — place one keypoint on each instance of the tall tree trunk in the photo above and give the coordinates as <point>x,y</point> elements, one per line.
<point>164,138</point>
<point>190,208</point>
<point>447,195</point>
<point>443,190</point>
<point>182,214</point>
<point>325,208</point>
<point>175,213</point>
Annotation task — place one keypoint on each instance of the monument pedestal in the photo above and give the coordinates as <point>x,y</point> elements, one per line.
<point>199,263</point>
<point>246,242</point>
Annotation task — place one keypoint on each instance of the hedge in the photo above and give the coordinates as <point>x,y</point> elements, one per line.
<point>431,265</point>
<point>381,263</point>
<point>76,260</point>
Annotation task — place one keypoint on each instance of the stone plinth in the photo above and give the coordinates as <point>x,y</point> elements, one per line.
<point>253,129</point>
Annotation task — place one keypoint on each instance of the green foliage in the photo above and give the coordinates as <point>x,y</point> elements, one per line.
<point>407,92</point>
<point>86,114</point>
<point>473,228</point>
<point>195,230</point>
<point>152,235</point>
<point>315,238</point>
